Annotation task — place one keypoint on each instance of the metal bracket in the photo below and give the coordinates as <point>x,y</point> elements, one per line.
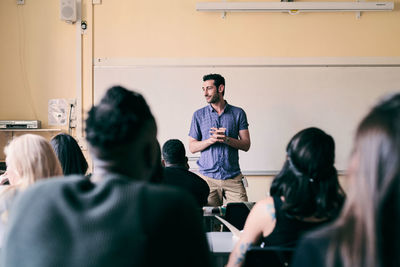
<point>358,13</point>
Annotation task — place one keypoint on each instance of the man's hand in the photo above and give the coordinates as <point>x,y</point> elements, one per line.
<point>217,135</point>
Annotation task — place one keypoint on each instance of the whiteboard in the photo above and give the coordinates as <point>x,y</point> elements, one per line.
<point>279,98</point>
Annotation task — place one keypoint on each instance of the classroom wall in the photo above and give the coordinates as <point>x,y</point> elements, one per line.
<point>174,28</point>
<point>37,59</point>
<point>37,49</point>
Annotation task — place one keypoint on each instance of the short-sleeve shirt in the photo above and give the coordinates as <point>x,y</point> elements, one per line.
<point>219,161</point>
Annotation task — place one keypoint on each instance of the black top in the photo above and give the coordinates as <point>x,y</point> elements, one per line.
<point>115,222</point>
<point>312,251</point>
<point>287,230</point>
<point>181,177</point>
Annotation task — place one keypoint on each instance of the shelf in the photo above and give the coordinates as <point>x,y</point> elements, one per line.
<point>30,130</point>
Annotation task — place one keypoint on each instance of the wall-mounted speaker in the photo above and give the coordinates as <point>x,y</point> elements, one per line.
<point>68,10</point>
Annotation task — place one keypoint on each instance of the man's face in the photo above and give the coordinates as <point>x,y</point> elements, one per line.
<point>210,92</point>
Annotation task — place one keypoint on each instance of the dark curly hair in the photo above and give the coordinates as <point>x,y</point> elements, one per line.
<point>308,180</point>
<point>117,119</point>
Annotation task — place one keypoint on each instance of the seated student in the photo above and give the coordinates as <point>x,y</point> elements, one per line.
<point>70,154</point>
<point>176,171</point>
<point>115,218</point>
<point>304,195</point>
<point>367,232</point>
<point>29,158</point>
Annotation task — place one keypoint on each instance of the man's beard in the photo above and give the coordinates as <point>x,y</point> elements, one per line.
<point>214,99</point>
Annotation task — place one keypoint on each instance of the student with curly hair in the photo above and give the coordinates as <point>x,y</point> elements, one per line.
<point>117,217</point>
<point>304,195</point>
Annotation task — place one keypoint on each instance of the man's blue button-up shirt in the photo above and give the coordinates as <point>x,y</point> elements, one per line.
<point>219,161</point>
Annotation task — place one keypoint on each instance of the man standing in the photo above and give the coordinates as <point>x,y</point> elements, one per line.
<point>115,218</point>
<point>176,171</point>
<point>218,131</point>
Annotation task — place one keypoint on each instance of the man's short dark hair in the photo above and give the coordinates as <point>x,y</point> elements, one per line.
<point>117,120</point>
<point>218,80</point>
<point>173,152</point>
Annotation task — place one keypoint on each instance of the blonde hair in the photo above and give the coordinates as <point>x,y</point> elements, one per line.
<point>32,158</point>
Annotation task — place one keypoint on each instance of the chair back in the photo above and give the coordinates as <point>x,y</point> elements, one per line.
<point>237,212</point>
<point>268,256</point>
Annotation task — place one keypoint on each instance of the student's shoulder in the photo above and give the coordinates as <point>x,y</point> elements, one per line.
<point>318,240</point>
<point>164,191</point>
<point>46,191</point>
<point>167,197</point>
<point>313,248</point>
<point>55,183</point>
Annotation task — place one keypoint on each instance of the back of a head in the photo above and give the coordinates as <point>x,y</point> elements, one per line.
<point>31,158</point>
<point>70,154</point>
<point>371,216</point>
<point>173,152</point>
<point>116,121</point>
<point>308,180</point>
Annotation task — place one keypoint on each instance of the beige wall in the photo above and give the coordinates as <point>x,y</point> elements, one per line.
<point>38,50</point>
<point>37,59</point>
<point>174,29</point>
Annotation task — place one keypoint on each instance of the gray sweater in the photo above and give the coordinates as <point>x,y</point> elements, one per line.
<point>116,222</point>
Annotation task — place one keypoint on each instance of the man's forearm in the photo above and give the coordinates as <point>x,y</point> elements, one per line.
<point>237,143</point>
<point>198,146</point>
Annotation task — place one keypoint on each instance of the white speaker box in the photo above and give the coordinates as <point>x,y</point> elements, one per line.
<point>68,10</point>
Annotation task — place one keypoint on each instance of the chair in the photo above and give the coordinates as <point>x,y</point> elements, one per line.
<point>268,256</point>
<point>237,212</point>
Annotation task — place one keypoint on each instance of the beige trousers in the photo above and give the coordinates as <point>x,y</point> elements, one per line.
<point>225,191</point>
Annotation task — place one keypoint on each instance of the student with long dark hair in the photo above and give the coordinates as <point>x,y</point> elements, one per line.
<point>304,195</point>
<point>70,154</point>
<point>367,233</point>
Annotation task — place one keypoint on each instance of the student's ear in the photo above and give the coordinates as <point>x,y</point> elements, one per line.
<point>186,163</point>
<point>221,88</point>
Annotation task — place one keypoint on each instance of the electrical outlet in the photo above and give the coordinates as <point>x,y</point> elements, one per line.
<point>20,2</point>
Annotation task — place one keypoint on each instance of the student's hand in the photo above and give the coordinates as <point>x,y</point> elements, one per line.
<point>4,179</point>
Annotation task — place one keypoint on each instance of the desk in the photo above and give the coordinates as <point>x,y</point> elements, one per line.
<point>221,244</point>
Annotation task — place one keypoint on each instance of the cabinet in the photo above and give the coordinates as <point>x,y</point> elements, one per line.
<point>8,134</point>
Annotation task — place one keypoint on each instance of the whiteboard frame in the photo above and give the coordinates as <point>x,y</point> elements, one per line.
<point>105,62</point>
